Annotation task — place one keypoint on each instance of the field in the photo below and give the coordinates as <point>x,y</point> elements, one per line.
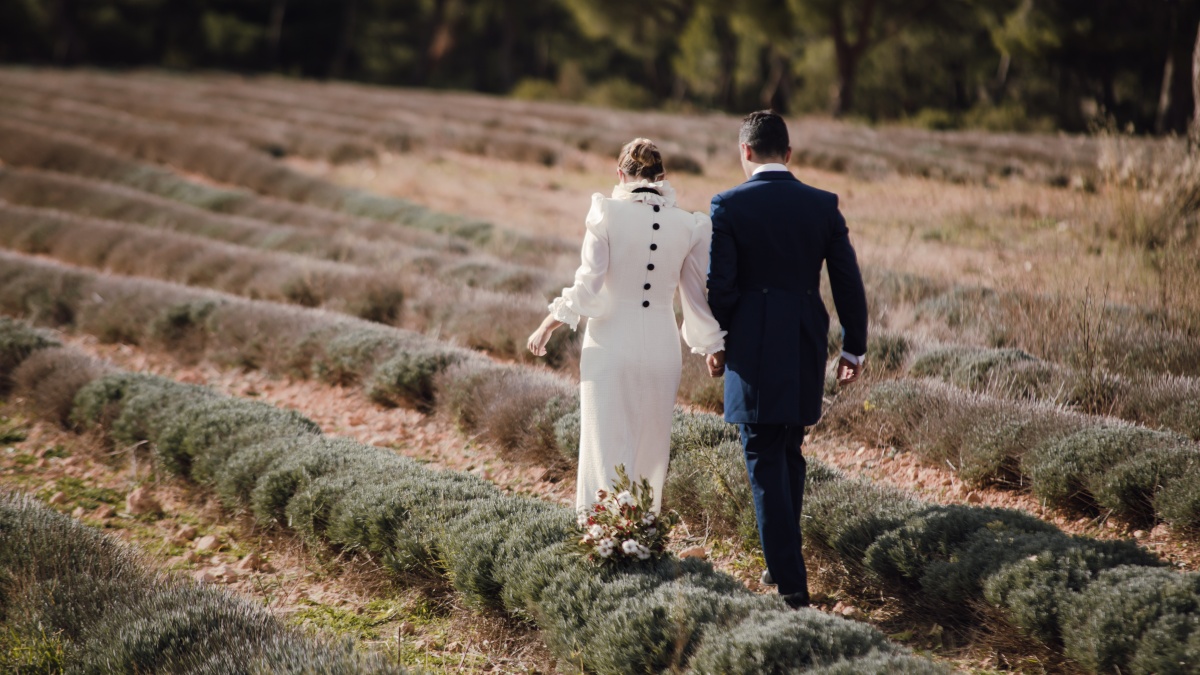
<point>269,333</point>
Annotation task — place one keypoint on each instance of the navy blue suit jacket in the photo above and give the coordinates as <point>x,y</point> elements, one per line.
<point>771,236</point>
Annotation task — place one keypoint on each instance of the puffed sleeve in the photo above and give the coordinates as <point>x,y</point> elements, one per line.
<point>583,297</point>
<point>700,330</point>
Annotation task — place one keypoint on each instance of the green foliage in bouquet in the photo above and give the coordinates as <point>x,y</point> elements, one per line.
<point>622,525</point>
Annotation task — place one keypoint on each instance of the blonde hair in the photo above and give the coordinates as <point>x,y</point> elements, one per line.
<point>640,158</point>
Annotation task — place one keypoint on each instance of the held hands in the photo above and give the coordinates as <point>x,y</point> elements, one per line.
<point>847,373</point>
<point>716,364</point>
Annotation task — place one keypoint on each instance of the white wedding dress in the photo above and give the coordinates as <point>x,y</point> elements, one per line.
<point>637,250</point>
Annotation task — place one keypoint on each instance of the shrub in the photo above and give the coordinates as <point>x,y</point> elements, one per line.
<point>274,463</point>
<point>1179,501</point>
<point>1065,473</point>
<point>992,449</point>
<point>847,517</point>
<point>566,435</point>
<point>107,612</point>
<point>931,547</point>
<point>409,377</point>
<point>1037,578</point>
<point>1129,488</point>
<point>699,430</point>
<point>1104,625</point>
<point>887,350</point>
<point>779,642</point>
<point>709,485</point>
<point>50,378</point>
<point>515,408</point>
<point>17,342</point>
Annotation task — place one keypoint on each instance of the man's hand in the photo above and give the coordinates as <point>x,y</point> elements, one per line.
<point>715,363</point>
<point>847,372</point>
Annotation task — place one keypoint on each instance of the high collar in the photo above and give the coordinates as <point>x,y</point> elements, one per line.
<point>770,166</point>
<point>665,195</point>
<point>772,176</point>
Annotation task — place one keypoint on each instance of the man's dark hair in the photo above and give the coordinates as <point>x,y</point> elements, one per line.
<point>766,133</point>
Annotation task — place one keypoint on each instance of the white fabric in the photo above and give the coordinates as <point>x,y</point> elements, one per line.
<point>631,361</point>
<point>852,358</point>
<point>769,167</point>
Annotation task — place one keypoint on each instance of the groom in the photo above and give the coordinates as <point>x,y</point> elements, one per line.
<point>771,236</point>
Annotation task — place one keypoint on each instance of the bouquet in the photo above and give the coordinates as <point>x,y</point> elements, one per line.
<point>622,526</point>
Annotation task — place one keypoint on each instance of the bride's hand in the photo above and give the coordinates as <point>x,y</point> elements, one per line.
<point>537,341</point>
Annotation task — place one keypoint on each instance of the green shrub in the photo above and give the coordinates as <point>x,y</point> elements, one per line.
<point>50,378</point>
<point>1066,472</point>
<point>1046,571</point>
<point>887,350</point>
<point>409,377</point>
<point>1179,502</point>
<point>17,342</point>
<point>847,516</point>
<point>107,612</point>
<point>881,663</point>
<point>501,551</point>
<point>566,435</point>
<point>930,549</point>
<point>699,430</point>
<point>1130,488</point>
<point>1104,625</point>
<point>780,641</point>
<point>709,485</point>
<point>992,449</point>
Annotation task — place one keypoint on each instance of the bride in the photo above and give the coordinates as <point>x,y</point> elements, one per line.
<point>638,248</point>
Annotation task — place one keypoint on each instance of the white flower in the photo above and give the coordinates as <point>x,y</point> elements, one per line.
<point>642,552</point>
<point>626,499</point>
<point>596,531</point>
<point>605,548</point>
<point>582,519</point>
<point>630,547</point>
<point>652,531</point>
<point>648,519</point>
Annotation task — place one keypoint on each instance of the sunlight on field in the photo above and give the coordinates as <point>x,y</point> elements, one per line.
<point>203,276</point>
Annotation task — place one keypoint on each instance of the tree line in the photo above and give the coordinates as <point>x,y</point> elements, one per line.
<point>1004,64</point>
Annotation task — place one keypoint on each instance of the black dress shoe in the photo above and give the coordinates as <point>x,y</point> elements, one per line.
<point>766,579</point>
<point>797,600</point>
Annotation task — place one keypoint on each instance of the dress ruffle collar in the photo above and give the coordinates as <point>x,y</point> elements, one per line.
<point>666,196</point>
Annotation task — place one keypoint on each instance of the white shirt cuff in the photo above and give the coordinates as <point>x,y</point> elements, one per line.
<point>561,311</point>
<point>856,360</point>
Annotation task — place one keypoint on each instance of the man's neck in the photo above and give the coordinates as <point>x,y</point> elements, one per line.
<point>768,166</point>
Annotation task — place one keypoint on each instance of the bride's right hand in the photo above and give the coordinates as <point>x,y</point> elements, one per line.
<point>537,341</point>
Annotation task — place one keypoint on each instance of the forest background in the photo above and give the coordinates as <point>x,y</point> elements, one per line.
<point>1024,65</point>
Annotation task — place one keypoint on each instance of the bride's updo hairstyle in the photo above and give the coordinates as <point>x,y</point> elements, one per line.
<point>640,158</point>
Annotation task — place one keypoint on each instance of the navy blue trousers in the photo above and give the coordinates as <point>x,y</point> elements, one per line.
<point>776,468</point>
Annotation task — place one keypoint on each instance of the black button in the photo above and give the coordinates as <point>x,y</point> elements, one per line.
<point>656,208</point>
<point>764,290</point>
<point>650,267</point>
<point>645,303</point>
<point>656,226</point>
<point>647,287</point>
<point>653,247</point>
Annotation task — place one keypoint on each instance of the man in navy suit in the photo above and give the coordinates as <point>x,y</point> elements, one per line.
<point>771,236</point>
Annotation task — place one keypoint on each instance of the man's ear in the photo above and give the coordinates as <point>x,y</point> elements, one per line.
<point>787,156</point>
<point>747,153</point>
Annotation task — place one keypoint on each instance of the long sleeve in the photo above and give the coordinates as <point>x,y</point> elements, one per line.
<point>723,293</point>
<point>845,280</point>
<point>583,297</point>
<point>701,331</point>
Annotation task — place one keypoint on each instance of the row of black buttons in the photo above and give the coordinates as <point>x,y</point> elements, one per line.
<point>650,267</point>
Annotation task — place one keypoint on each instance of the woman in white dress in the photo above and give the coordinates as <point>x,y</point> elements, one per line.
<point>638,248</point>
